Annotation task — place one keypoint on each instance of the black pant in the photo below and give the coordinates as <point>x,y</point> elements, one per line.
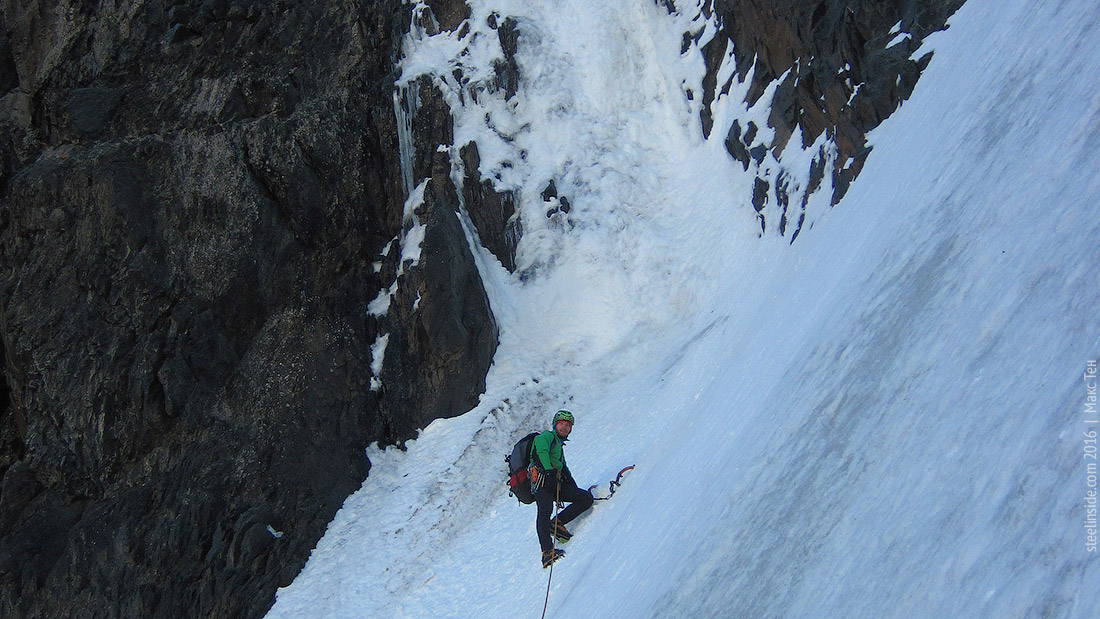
<point>579,500</point>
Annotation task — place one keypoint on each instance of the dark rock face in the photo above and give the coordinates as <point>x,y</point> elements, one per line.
<point>445,325</point>
<point>493,213</point>
<point>848,72</point>
<point>193,201</point>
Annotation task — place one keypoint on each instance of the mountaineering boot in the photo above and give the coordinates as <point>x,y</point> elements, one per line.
<point>550,556</point>
<point>559,531</point>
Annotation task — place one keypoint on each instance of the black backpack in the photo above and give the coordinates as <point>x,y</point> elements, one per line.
<point>518,463</point>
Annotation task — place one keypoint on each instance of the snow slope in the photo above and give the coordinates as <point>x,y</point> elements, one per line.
<point>885,418</point>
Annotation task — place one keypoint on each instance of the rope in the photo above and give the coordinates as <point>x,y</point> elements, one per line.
<point>554,550</point>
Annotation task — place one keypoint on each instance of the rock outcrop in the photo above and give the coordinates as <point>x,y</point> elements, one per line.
<point>843,67</point>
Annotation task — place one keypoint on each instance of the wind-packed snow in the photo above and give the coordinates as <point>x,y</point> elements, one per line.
<point>885,418</point>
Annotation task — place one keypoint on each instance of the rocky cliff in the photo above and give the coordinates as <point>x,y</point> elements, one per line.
<point>838,67</point>
<point>200,202</point>
<point>233,254</point>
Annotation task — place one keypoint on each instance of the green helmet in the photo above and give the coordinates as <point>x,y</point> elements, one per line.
<point>563,415</point>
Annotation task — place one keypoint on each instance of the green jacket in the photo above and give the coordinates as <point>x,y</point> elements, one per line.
<point>546,451</point>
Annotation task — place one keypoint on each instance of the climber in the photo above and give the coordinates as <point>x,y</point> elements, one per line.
<point>553,481</point>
